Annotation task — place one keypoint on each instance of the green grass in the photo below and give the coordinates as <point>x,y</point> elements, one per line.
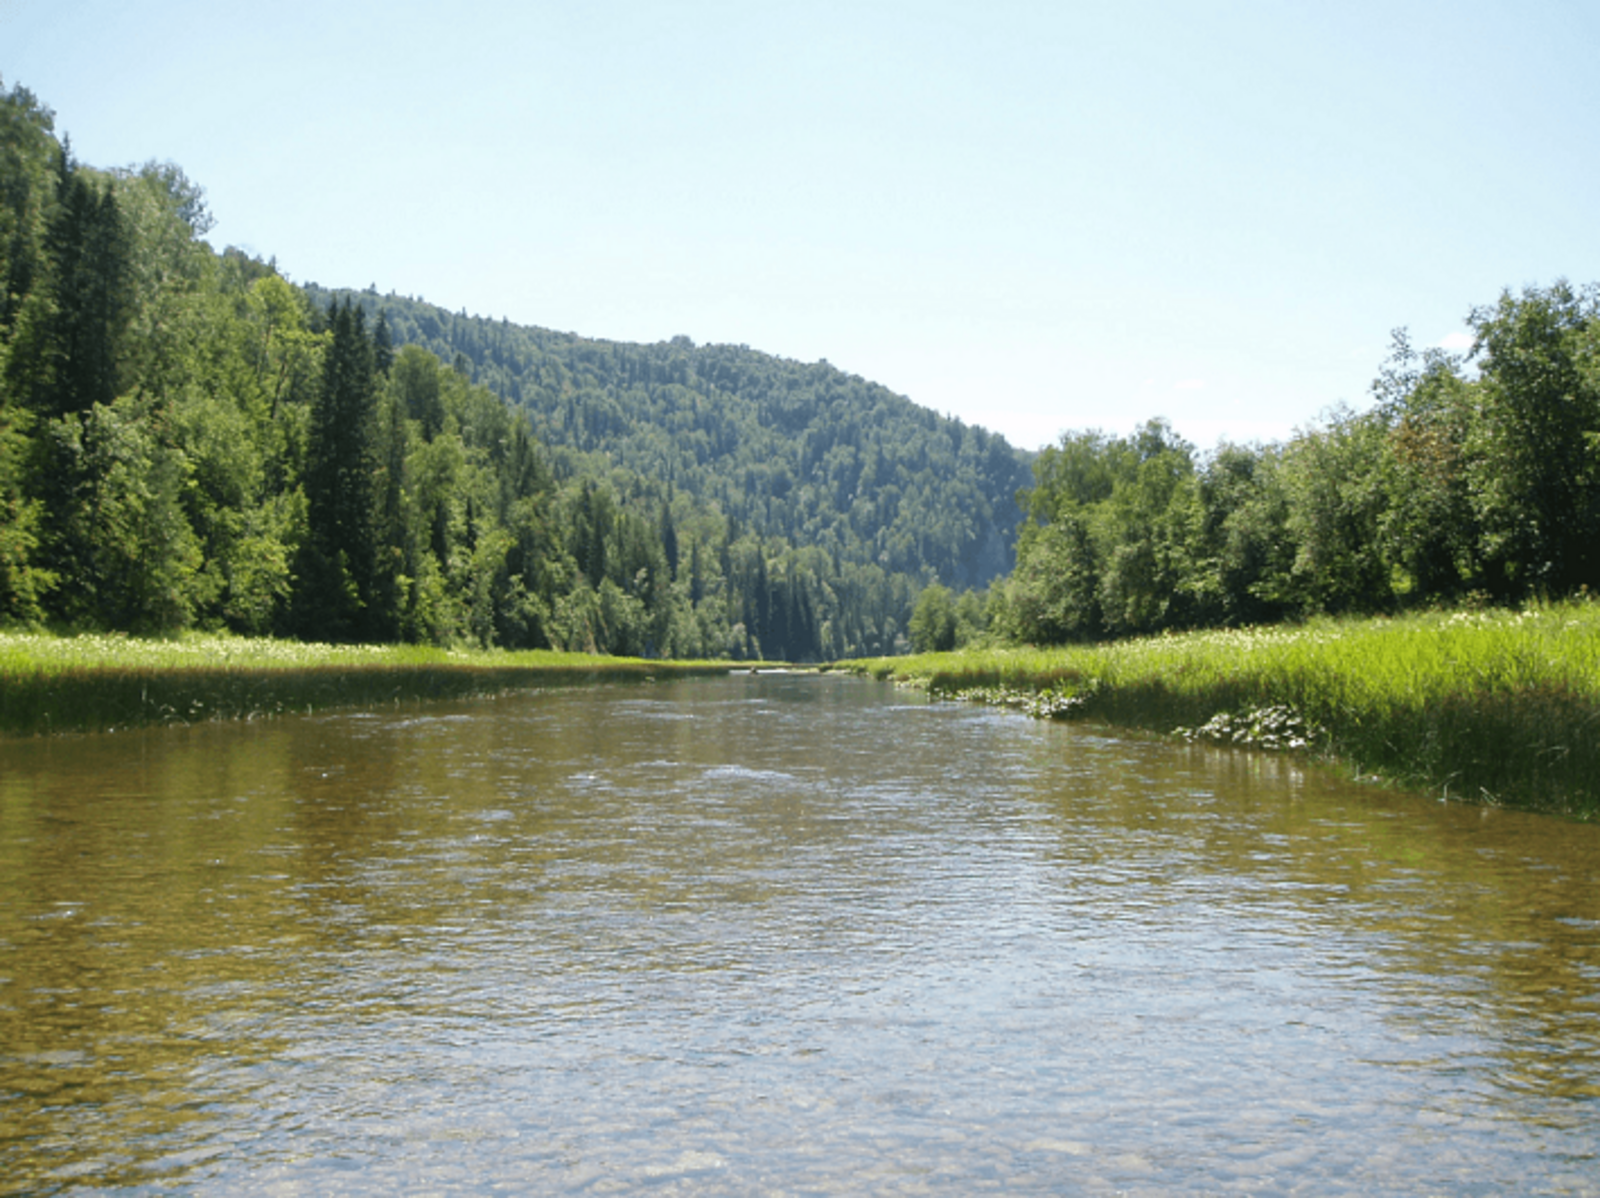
<point>99,683</point>
<point>1491,706</point>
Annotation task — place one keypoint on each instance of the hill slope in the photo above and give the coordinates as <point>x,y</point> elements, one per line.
<point>784,449</point>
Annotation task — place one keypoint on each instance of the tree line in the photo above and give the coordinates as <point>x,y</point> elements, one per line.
<point>187,439</point>
<point>1472,478</point>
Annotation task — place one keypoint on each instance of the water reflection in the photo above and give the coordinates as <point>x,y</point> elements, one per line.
<point>778,934</point>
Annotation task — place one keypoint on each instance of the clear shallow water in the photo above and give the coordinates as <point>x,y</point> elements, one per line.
<point>775,935</point>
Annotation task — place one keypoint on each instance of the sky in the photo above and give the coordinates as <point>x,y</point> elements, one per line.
<point>1037,217</point>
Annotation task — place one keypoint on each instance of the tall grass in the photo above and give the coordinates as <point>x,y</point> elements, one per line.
<point>1494,706</point>
<point>99,683</point>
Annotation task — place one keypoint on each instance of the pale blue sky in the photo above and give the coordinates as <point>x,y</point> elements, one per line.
<point>1033,216</point>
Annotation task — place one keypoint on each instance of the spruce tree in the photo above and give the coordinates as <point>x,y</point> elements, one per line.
<point>382,346</point>
<point>338,586</point>
<point>68,355</point>
<point>669,536</point>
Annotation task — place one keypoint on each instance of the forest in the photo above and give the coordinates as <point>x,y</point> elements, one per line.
<point>797,451</point>
<point>1473,479</point>
<point>188,440</point>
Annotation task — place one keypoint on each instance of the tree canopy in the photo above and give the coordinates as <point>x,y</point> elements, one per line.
<point>1472,476</point>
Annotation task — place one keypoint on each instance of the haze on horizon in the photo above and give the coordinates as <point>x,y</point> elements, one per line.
<point>1036,217</point>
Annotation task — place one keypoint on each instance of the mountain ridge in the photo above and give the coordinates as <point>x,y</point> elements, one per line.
<point>802,451</point>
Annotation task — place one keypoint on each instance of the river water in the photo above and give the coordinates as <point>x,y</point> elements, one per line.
<point>775,935</point>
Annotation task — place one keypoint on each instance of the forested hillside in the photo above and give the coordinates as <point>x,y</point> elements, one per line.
<point>785,449</point>
<point>186,439</point>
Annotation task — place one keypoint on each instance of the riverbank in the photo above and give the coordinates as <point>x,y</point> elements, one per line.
<point>101,683</point>
<point>1487,706</point>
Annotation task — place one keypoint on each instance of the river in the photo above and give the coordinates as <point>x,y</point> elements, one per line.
<point>778,935</point>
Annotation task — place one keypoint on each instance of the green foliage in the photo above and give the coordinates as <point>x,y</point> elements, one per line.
<point>1053,596</point>
<point>1451,485</point>
<point>1109,544</point>
<point>71,331</point>
<point>28,153</point>
<point>24,583</point>
<point>801,453</point>
<point>1429,525</point>
<point>340,558</point>
<point>972,619</point>
<point>1534,473</point>
<point>1143,532</point>
<point>116,527</point>
<point>942,620</point>
<point>1333,484</point>
<point>1242,555</point>
<point>933,622</point>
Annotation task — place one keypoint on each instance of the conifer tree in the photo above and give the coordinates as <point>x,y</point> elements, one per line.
<point>669,536</point>
<point>65,357</point>
<point>338,578</point>
<point>27,155</point>
<point>382,346</point>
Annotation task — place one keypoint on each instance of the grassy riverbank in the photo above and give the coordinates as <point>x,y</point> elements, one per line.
<point>98,683</point>
<point>1490,706</point>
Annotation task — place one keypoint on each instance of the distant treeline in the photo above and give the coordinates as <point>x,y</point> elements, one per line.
<point>188,440</point>
<point>1474,478</point>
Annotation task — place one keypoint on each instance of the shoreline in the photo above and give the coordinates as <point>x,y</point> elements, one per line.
<point>1492,707</point>
<point>51,685</point>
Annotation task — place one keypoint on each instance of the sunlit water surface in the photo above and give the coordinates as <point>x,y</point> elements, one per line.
<point>775,935</point>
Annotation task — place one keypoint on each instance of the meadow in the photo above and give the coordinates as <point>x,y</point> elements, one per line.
<point>1492,706</point>
<point>97,683</point>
